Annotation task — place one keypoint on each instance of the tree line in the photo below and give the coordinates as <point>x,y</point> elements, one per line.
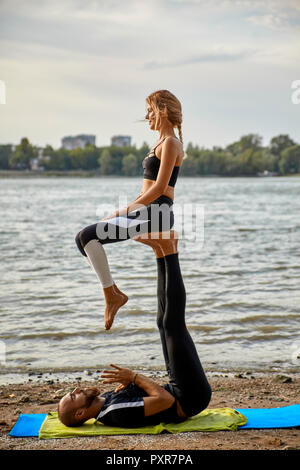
<point>246,157</point>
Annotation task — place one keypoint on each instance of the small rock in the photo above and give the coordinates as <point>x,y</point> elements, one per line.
<point>284,379</point>
<point>239,376</point>
<point>87,372</point>
<point>273,441</point>
<point>24,398</point>
<point>60,393</point>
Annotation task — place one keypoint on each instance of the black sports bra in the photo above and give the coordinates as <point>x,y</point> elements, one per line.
<point>151,166</point>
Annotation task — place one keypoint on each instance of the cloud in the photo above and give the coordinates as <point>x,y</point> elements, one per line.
<point>216,54</point>
<point>275,21</point>
<point>88,64</point>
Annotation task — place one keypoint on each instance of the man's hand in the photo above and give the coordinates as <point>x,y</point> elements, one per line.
<point>119,388</point>
<point>120,375</point>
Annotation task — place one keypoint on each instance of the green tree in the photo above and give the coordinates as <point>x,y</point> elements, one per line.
<point>249,141</point>
<point>105,162</point>
<point>5,151</point>
<point>250,161</point>
<point>129,164</point>
<point>91,157</point>
<point>269,161</point>
<point>279,143</point>
<point>290,160</point>
<point>189,167</point>
<point>24,152</point>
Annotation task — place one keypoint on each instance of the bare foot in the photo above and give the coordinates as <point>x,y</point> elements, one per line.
<point>163,243</point>
<point>114,300</point>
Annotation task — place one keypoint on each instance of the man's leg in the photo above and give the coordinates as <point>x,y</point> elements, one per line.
<point>188,382</point>
<point>161,305</point>
<point>161,246</point>
<point>187,377</point>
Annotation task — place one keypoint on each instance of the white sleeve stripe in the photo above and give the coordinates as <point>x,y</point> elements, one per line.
<point>120,405</point>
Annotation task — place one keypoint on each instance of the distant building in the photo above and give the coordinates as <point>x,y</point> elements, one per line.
<point>121,140</point>
<point>73,142</point>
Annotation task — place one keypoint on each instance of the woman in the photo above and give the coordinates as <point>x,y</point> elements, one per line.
<point>161,168</point>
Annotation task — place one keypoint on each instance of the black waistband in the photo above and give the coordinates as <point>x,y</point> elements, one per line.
<point>163,200</point>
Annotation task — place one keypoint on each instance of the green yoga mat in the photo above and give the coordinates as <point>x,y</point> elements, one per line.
<point>218,419</point>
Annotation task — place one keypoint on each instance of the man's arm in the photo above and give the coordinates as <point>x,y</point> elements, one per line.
<point>158,398</point>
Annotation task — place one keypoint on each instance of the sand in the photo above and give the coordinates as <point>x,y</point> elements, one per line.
<point>244,390</point>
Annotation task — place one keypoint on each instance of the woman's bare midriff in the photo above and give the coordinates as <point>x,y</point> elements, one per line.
<point>148,183</point>
<point>170,190</point>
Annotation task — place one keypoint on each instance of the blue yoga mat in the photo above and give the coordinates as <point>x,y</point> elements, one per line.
<point>263,418</point>
<point>28,425</point>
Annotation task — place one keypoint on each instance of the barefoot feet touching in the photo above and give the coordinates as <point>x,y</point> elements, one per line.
<point>163,243</point>
<point>114,300</point>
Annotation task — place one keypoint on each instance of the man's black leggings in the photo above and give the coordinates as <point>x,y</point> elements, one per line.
<point>188,383</point>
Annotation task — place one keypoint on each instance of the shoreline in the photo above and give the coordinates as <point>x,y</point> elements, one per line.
<point>39,376</point>
<point>96,174</point>
<point>237,391</point>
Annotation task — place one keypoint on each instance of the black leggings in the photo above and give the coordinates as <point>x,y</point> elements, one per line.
<point>188,383</point>
<point>156,217</point>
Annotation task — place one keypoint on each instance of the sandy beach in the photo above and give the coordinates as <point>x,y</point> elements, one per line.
<point>238,390</point>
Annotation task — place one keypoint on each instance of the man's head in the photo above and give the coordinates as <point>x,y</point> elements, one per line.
<point>78,406</point>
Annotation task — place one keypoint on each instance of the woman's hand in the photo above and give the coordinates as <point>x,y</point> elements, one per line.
<point>120,375</point>
<point>111,216</point>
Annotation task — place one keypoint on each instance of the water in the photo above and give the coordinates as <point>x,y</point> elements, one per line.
<point>242,283</point>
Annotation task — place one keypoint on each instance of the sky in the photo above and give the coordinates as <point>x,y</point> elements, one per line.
<point>86,66</point>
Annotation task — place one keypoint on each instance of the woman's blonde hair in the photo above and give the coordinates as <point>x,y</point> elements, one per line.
<point>165,104</point>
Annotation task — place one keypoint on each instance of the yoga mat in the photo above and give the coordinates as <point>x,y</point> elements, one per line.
<point>263,418</point>
<point>31,425</point>
<point>28,425</point>
<point>219,419</point>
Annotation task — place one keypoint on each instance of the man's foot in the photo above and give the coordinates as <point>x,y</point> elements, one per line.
<point>114,300</point>
<point>163,243</point>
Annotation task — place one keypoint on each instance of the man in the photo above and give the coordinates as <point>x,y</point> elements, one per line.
<point>138,400</point>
